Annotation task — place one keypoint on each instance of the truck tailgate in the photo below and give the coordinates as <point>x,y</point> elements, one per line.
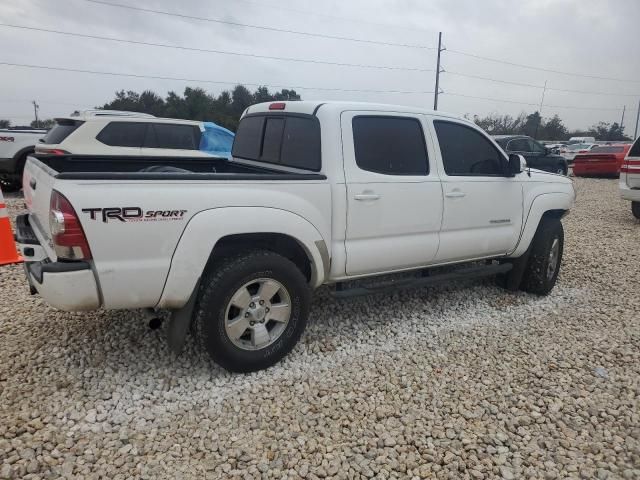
<point>37,183</point>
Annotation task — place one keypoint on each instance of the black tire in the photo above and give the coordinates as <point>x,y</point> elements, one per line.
<point>216,292</point>
<point>537,277</point>
<point>635,209</point>
<point>561,169</point>
<point>13,182</point>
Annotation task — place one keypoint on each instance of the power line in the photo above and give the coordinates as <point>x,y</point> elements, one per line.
<point>542,69</point>
<point>332,17</point>
<point>300,87</point>
<point>158,77</point>
<point>220,52</point>
<point>530,85</point>
<point>258,27</point>
<point>533,104</point>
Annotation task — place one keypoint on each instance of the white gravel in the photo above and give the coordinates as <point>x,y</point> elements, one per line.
<point>464,381</point>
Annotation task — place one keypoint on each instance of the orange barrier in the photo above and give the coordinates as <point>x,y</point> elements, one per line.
<point>8,252</point>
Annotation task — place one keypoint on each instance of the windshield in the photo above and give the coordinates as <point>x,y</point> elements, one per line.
<point>579,146</point>
<point>619,149</point>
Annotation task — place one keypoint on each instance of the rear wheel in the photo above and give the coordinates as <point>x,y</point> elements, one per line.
<point>543,266</point>
<point>635,209</point>
<point>561,169</point>
<point>252,310</point>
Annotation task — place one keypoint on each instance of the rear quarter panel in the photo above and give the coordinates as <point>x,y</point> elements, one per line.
<point>132,256</point>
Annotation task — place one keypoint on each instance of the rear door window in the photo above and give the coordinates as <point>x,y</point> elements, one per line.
<point>176,136</point>
<point>61,130</point>
<point>287,140</point>
<point>535,146</point>
<point>123,134</point>
<point>390,145</point>
<point>519,145</point>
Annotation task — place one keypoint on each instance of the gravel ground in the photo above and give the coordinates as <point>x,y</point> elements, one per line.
<point>458,382</point>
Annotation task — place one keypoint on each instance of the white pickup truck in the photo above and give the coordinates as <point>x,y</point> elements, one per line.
<point>630,178</point>
<point>15,146</point>
<point>316,194</point>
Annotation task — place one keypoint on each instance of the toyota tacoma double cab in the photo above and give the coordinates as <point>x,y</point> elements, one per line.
<point>316,193</point>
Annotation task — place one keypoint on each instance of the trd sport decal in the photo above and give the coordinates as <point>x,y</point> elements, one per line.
<point>133,214</point>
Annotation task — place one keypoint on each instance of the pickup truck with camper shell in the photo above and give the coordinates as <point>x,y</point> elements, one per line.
<point>316,193</point>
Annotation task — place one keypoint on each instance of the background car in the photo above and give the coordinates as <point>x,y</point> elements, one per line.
<point>600,160</point>
<point>105,132</point>
<point>537,155</point>
<point>570,151</point>
<point>16,144</point>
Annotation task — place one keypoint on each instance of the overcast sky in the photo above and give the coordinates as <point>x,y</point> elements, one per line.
<point>593,37</point>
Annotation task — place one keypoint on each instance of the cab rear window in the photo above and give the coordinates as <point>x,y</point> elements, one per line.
<point>635,149</point>
<point>287,140</point>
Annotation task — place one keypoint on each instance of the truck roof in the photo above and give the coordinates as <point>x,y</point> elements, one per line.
<point>311,106</point>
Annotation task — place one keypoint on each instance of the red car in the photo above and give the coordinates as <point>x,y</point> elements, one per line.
<point>601,160</point>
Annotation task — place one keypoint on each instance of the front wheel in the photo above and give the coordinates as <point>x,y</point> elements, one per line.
<point>252,310</point>
<point>561,169</point>
<point>543,266</point>
<point>635,209</point>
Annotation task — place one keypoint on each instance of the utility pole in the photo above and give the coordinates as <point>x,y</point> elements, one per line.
<point>622,119</point>
<point>544,90</point>
<point>35,111</point>
<point>437,89</point>
<point>635,135</point>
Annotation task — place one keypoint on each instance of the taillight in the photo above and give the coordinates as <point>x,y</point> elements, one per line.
<point>69,240</point>
<point>50,151</point>
<point>277,106</point>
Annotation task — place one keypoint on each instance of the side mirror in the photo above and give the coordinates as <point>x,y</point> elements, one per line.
<point>517,164</point>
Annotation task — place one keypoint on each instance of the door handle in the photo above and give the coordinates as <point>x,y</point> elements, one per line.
<point>32,183</point>
<point>366,196</point>
<point>455,194</point>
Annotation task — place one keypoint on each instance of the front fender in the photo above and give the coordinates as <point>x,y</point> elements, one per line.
<point>205,229</point>
<point>539,206</point>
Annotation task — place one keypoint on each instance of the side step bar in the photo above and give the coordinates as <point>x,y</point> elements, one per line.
<point>427,279</point>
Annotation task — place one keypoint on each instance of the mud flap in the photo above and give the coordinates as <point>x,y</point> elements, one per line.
<point>513,279</point>
<point>180,321</point>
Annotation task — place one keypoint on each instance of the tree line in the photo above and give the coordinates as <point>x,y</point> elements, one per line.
<point>225,110</point>
<point>194,104</point>
<point>534,125</point>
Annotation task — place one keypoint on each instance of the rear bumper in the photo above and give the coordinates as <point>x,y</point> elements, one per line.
<point>67,286</point>
<point>584,168</point>
<point>632,194</point>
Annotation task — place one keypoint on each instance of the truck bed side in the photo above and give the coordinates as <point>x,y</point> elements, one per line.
<point>134,221</point>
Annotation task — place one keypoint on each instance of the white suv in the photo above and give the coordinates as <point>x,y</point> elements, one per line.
<point>110,132</point>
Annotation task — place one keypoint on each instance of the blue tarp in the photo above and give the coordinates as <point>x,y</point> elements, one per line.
<point>216,140</point>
